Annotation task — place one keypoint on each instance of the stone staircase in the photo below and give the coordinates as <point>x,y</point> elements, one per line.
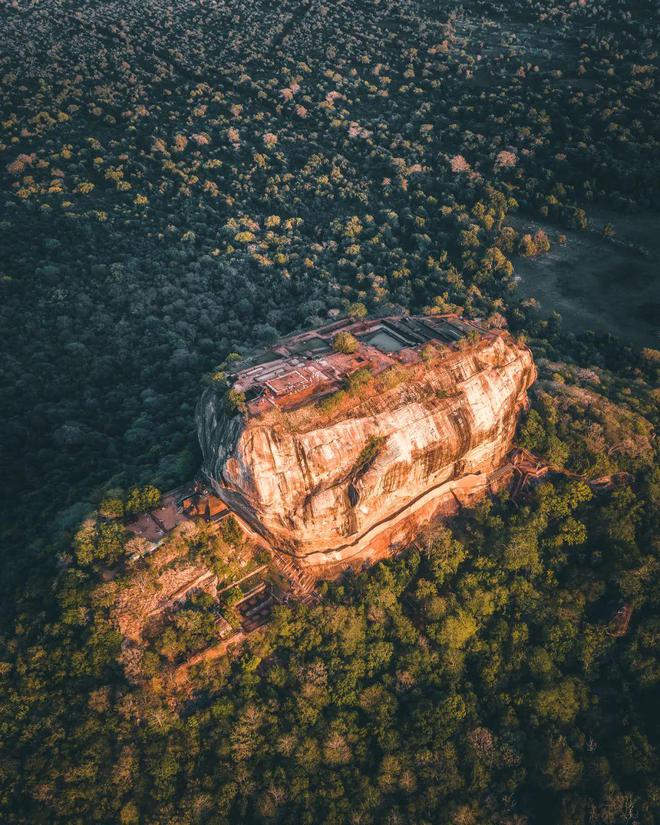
<point>302,585</point>
<point>257,611</point>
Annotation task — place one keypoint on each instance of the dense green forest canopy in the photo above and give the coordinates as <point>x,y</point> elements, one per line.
<point>184,180</point>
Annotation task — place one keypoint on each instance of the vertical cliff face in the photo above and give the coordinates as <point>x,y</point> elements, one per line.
<point>322,485</point>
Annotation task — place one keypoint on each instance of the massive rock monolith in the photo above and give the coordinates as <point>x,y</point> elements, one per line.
<point>334,475</point>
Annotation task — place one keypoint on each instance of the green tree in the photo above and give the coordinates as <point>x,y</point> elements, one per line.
<point>357,310</point>
<point>231,532</point>
<point>99,542</point>
<point>142,499</point>
<point>345,342</point>
<point>560,766</point>
<point>457,629</point>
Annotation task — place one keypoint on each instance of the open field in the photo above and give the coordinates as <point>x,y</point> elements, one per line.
<point>609,285</point>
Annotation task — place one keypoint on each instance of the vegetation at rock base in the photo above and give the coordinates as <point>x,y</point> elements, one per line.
<point>357,380</point>
<point>231,532</point>
<point>330,403</point>
<point>354,387</point>
<point>474,678</point>
<point>192,629</point>
<point>184,182</point>
<point>235,401</point>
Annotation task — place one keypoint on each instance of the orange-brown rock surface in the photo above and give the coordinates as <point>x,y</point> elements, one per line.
<point>324,485</point>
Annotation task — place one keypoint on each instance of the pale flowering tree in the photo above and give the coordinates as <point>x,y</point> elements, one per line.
<point>251,224</point>
<point>136,547</point>
<point>289,91</point>
<point>496,321</point>
<point>481,741</point>
<point>459,164</point>
<point>505,160</point>
<point>18,165</point>
<point>270,139</point>
<point>201,139</point>
<point>233,135</point>
<point>131,659</point>
<point>355,131</point>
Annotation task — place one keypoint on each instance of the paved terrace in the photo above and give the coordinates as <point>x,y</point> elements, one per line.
<point>304,367</point>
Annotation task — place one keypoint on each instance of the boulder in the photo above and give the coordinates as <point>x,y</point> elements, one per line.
<point>325,486</point>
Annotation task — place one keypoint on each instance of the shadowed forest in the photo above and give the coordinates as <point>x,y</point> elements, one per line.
<point>182,182</point>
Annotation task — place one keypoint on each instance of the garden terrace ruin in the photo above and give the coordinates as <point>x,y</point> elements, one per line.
<point>176,507</point>
<point>303,367</point>
<point>335,457</point>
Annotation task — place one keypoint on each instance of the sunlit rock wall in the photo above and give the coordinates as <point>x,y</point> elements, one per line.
<point>296,484</point>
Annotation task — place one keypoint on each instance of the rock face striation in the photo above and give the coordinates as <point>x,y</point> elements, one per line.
<point>330,455</point>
